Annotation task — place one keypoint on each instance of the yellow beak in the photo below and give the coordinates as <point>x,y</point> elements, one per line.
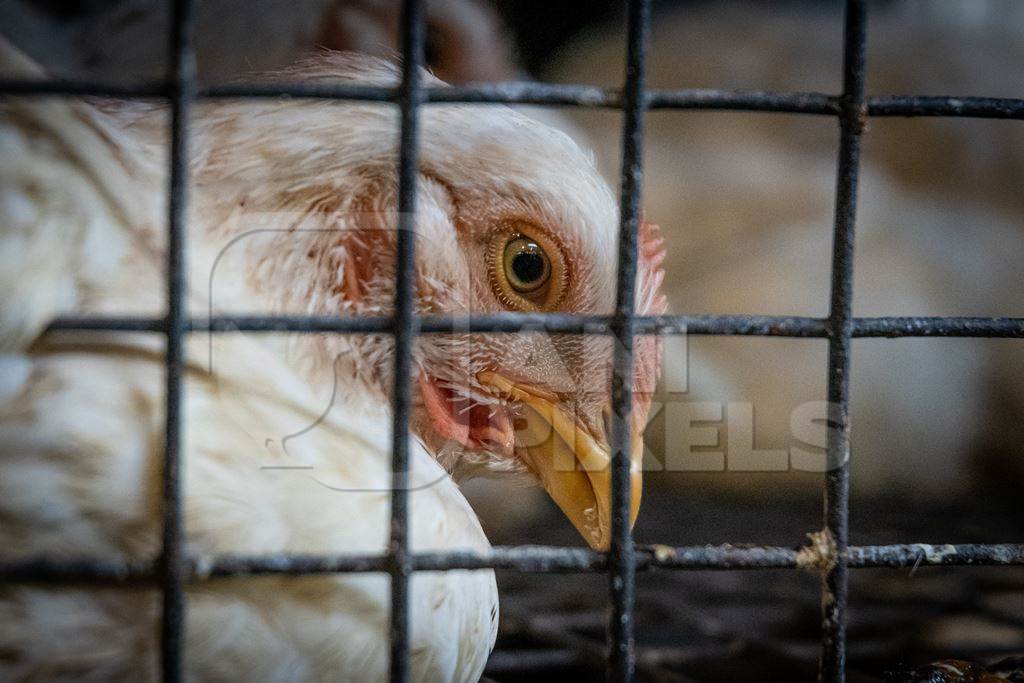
<point>573,467</point>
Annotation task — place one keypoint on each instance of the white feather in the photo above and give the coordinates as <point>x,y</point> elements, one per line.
<point>81,425</point>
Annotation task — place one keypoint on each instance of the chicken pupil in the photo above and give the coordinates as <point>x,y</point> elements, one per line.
<point>528,266</point>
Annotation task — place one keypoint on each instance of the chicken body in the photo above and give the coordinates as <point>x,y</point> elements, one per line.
<point>286,438</point>
<point>81,455</point>
<point>81,464</point>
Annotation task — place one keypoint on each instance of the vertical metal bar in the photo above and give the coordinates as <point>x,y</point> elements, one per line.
<point>182,87</point>
<point>840,323</point>
<point>622,564</point>
<point>409,99</point>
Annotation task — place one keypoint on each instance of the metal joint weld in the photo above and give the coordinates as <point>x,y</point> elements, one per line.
<point>820,554</point>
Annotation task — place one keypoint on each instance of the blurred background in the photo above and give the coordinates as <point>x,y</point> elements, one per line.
<point>745,201</point>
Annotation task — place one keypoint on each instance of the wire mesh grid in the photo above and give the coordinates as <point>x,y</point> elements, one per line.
<point>832,556</point>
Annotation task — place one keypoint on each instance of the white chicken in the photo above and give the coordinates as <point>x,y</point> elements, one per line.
<point>292,211</point>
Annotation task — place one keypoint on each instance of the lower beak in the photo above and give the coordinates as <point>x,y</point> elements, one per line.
<point>572,465</point>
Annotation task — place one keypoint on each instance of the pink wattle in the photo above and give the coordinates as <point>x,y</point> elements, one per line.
<point>474,425</point>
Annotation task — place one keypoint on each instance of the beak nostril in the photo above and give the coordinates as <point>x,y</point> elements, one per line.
<point>606,417</point>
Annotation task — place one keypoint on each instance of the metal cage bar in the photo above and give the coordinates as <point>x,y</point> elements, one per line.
<point>183,73</point>
<point>563,323</point>
<point>404,334</point>
<point>174,567</point>
<point>756,326</point>
<point>622,566</point>
<point>527,559</point>
<point>550,94</point>
<point>840,321</point>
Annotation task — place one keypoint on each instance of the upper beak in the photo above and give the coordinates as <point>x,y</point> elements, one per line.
<point>571,464</point>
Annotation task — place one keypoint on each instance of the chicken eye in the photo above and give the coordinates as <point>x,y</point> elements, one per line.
<point>527,267</point>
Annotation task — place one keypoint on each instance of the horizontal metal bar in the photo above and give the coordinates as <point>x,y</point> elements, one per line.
<point>973,107</point>
<point>490,93</point>
<point>80,570</point>
<point>551,94</point>
<point>938,327</point>
<point>89,323</point>
<point>304,91</point>
<point>560,323</point>
<point>745,100</point>
<point>291,565</point>
<point>591,96</point>
<point>725,556</point>
<point>529,559</point>
<point>499,322</point>
<point>34,88</point>
<point>926,554</point>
